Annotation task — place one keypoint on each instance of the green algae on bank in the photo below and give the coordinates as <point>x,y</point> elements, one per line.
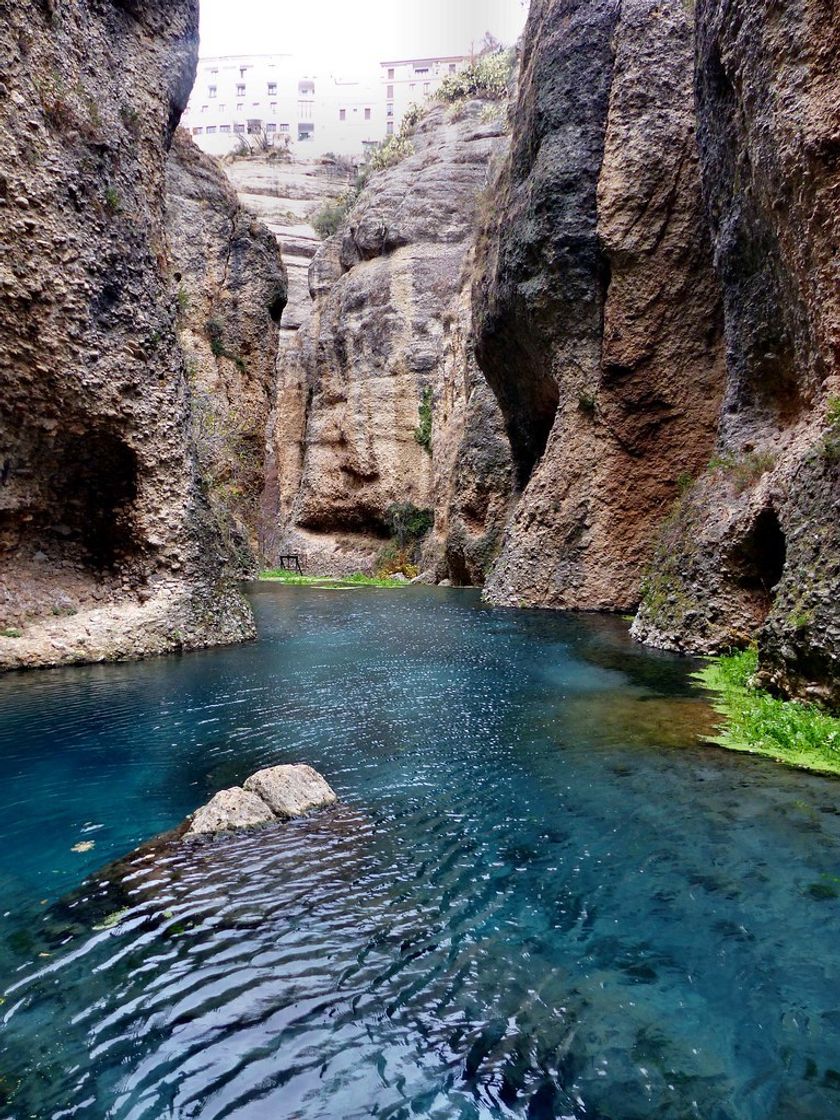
<point>790,731</point>
<point>329,583</point>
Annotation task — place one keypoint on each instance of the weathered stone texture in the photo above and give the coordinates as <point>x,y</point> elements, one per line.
<point>102,522</point>
<point>384,291</point>
<point>596,312</point>
<point>768,87</point>
<point>229,284</point>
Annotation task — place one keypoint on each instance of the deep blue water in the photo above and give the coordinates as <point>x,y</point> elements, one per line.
<point>540,895</point>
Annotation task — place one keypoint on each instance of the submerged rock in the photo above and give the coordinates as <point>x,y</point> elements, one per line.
<point>276,793</point>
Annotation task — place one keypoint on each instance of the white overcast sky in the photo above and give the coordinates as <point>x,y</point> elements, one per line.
<point>347,36</point>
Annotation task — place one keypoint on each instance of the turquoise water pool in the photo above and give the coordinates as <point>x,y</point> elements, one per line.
<point>539,897</point>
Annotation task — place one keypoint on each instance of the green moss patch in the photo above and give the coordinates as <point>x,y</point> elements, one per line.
<point>328,583</point>
<point>799,734</point>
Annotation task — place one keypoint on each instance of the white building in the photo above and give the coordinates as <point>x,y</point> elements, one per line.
<point>242,95</point>
<point>410,81</point>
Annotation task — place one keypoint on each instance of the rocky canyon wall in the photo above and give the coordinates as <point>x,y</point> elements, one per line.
<point>754,546</point>
<point>596,310</point>
<point>229,285</point>
<point>656,310</point>
<point>108,548</point>
<point>389,328</point>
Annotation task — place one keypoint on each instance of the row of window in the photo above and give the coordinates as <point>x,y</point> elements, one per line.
<point>420,70</point>
<point>305,131</point>
<point>305,89</point>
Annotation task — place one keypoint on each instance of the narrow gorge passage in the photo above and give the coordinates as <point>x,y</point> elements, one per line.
<point>420,501</point>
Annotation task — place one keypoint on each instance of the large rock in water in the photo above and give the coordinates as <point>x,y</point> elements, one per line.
<point>107,546</point>
<point>291,791</point>
<point>228,811</point>
<point>276,793</point>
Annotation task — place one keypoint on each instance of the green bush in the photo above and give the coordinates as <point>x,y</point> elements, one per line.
<point>486,78</point>
<point>801,734</point>
<point>408,523</point>
<point>831,440</point>
<point>393,151</point>
<point>423,431</point>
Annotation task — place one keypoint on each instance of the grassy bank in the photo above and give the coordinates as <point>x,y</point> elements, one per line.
<point>796,733</point>
<point>326,583</point>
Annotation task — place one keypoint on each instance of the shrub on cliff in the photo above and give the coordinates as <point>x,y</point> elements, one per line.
<point>393,151</point>
<point>486,78</point>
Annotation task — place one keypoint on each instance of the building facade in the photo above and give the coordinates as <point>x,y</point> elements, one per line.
<point>250,96</point>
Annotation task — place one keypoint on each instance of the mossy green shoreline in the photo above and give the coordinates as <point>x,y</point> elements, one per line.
<point>799,734</point>
<point>328,583</point>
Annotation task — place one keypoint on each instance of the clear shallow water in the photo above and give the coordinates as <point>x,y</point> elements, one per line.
<point>538,898</point>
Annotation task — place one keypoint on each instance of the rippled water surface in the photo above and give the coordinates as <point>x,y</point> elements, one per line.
<point>539,896</point>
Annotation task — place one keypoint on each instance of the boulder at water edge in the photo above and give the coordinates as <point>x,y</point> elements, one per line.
<point>276,793</point>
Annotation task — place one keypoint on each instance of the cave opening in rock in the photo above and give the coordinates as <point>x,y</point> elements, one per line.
<point>759,560</point>
<point>93,489</point>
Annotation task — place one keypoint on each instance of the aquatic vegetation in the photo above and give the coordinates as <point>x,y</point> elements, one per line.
<point>357,579</point>
<point>800,734</point>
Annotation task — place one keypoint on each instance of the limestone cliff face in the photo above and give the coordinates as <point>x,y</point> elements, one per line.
<point>596,310</point>
<point>656,310</point>
<point>755,544</point>
<point>381,334</point>
<point>229,284</point>
<point>107,547</point>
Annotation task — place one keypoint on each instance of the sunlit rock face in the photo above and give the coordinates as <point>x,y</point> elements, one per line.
<point>387,295</point>
<point>656,310</point>
<point>107,548</point>
<point>229,285</point>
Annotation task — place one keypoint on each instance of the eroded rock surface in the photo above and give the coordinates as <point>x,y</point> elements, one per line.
<point>107,546</point>
<point>229,284</point>
<point>596,311</point>
<point>386,290</point>
<point>755,545</point>
<point>277,793</point>
<point>228,811</point>
<point>290,791</point>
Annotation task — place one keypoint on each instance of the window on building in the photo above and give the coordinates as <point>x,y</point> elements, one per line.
<point>421,69</point>
<point>239,128</point>
<point>427,87</point>
<point>197,131</point>
<point>214,70</point>
<point>243,70</point>
<point>342,114</point>
<point>389,128</point>
<point>391,74</point>
<point>272,89</point>
<point>224,128</point>
<point>285,128</point>
<point>305,110</point>
<point>306,88</point>
<point>204,108</point>
<point>412,87</point>
<point>254,126</point>
<point>306,131</point>
<point>389,112</point>
<point>211,130</point>
<point>240,89</point>
<point>271,126</point>
<point>452,68</point>
<point>240,106</point>
<point>367,114</point>
<point>389,92</point>
<point>274,106</point>
<point>212,91</point>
